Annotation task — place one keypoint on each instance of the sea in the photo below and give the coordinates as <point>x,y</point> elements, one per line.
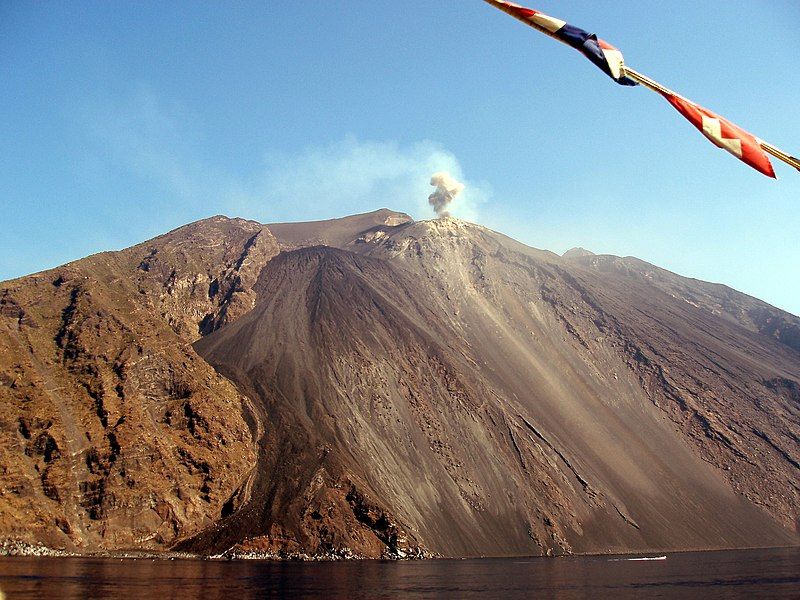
<point>773,573</point>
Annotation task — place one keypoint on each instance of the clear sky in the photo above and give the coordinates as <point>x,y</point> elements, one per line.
<point>122,120</point>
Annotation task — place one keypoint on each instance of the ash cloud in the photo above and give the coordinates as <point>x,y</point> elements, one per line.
<point>447,189</point>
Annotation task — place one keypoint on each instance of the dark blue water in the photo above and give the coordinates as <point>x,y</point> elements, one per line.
<point>706,575</point>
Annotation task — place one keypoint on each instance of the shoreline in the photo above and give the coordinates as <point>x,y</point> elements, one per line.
<point>19,549</point>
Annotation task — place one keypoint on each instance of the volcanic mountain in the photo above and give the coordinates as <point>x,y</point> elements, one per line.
<point>375,386</point>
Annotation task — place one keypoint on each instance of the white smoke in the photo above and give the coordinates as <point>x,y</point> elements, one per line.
<point>447,188</point>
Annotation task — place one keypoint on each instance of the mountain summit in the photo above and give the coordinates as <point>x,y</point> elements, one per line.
<point>376,386</point>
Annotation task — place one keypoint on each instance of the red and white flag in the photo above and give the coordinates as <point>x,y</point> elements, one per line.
<point>724,134</point>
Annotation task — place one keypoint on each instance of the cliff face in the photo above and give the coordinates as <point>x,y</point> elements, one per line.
<point>384,387</point>
<point>115,434</point>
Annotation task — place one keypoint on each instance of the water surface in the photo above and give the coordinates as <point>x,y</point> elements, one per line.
<point>707,575</point>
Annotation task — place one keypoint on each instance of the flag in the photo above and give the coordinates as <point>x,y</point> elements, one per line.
<point>724,134</point>
<point>600,52</point>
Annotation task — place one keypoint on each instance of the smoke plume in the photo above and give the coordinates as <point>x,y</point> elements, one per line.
<point>447,188</point>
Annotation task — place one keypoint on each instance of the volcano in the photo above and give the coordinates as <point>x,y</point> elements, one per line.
<point>374,386</point>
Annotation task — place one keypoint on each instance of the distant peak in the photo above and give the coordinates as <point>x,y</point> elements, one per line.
<point>577,252</point>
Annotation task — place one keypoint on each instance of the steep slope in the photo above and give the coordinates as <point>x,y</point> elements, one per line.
<point>730,389</point>
<point>113,432</point>
<point>494,399</point>
<point>730,386</point>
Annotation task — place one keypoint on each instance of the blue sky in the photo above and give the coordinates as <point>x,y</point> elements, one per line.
<point>122,120</point>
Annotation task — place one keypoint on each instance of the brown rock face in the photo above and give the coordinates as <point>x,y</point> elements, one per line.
<point>400,387</point>
<point>114,434</point>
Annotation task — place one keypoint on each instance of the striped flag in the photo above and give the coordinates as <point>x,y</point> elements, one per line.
<point>724,134</point>
<point>600,52</point>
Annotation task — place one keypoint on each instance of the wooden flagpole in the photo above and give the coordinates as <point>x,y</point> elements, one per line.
<point>657,87</point>
<point>780,154</point>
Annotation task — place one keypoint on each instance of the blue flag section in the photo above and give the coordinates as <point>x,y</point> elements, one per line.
<point>601,53</point>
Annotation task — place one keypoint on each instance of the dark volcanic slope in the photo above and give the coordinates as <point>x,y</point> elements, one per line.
<point>488,400</point>
<point>406,386</point>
